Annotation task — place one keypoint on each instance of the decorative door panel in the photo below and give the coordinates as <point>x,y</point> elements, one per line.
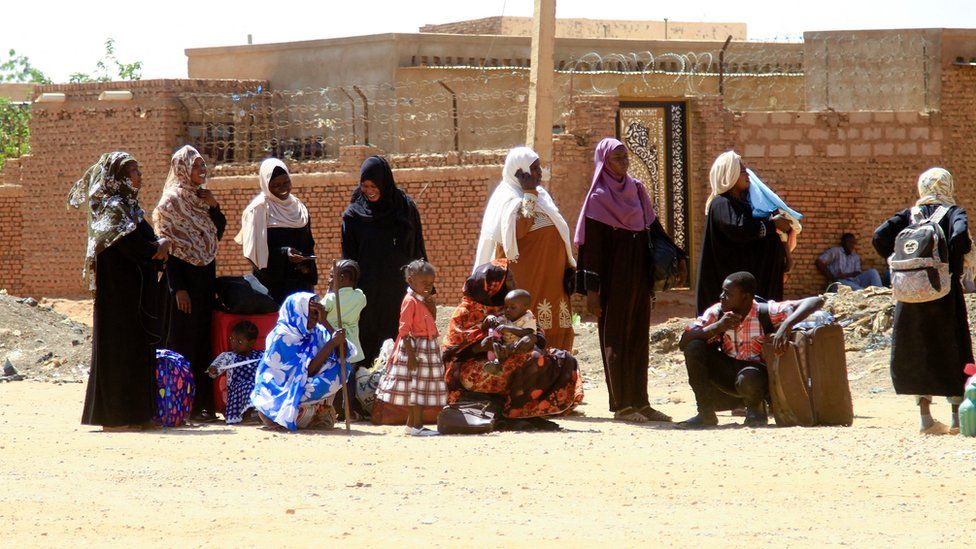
<point>655,134</point>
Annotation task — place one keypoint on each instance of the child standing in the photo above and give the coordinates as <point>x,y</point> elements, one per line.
<point>415,377</point>
<point>509,330</point>
<point>240,364</point>
<point>352,300</point>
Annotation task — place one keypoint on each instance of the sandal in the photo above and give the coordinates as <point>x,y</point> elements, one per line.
<point>654,415</point>
<point>629,414</point>
<point>937,428</point>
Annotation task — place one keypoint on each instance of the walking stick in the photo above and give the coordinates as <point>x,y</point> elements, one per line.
<point>342,346</point>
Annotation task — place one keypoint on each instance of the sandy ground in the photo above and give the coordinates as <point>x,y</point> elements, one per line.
<point>596,482</point>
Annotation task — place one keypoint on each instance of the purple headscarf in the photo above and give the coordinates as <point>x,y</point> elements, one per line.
<point>621,203</point>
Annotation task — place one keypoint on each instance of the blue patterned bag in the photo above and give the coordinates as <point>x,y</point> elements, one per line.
<point>175,389</point>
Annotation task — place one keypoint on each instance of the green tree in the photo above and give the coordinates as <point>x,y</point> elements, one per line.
<point>109,68</point>
<point>18,68</point>
<point>14,129</point>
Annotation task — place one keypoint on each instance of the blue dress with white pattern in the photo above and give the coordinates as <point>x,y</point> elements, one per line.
<point>282,385</point>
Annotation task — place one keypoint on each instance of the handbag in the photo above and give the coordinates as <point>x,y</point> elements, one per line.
<point>243,295</point>
<point>665,261</point>
<point>569,281</point>
<point>465,418</point>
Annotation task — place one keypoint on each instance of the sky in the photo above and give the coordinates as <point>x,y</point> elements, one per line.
<point>71,38</point>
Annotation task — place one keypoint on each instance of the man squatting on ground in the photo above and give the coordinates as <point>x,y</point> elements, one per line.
<point>723,351</point>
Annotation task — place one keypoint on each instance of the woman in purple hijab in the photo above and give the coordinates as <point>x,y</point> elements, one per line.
<point>614,265</point>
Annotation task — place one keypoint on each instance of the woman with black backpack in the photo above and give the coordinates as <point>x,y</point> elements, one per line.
<point>931,343</point>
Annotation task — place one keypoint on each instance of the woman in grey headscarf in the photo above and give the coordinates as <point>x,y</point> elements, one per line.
<point>123,257</point>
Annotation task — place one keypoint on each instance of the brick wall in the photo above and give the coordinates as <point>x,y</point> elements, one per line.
<point>11,228</point>
<point>43,243</point>
<point>67,138</point>
<point>847,172</point>
<point>450,199</point>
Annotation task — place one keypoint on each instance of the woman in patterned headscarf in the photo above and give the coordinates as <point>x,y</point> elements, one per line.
<point>300,373</point>
<point>188,215</point>
<point>931,342</point>
<point>123,256</point>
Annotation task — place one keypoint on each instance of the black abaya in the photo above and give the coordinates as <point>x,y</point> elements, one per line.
<point>189,334</point>
<point>735,241</point>
<point>931,342</point>
<point>121,384</point>
<point>281,276</point>
<point>616,263</point>
<point>382,247</point>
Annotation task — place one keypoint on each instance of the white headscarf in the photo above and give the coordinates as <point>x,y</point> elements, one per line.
<point>267,210</point>
<point>501,214</point>
<point>723,175</point>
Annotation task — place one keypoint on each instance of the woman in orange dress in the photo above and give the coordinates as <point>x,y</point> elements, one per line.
<point>523,225</point>
<point>532,385</point>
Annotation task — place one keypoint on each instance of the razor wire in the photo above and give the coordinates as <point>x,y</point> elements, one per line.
<point>444,107</point>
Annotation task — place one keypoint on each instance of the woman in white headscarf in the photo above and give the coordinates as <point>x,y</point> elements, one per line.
<point>276,235</point>
<point>189,217</point>
<point>930,341</point>
<point>523,225</point>
<point>736,241</point>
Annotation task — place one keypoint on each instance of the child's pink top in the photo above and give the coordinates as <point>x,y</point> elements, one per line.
<point>415,319</point>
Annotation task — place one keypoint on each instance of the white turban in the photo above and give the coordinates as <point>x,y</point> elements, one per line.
<point>723,175</point>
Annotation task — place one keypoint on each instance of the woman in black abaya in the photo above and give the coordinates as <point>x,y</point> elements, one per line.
<point>121,266</point>
<point>381,230</point>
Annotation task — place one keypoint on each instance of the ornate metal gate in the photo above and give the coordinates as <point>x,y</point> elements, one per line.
<point>656,137</point>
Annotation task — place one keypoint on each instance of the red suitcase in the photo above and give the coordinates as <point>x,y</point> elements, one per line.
<point>221,325</point>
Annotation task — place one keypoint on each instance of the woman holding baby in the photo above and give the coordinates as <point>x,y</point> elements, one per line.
<point>526,384</point>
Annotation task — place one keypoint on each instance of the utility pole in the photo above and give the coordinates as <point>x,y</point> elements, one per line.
<point>539,127</point>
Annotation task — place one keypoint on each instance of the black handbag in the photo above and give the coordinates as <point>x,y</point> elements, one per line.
<point>665,260</point>
<point>243,295</point>
<point>465,418</point>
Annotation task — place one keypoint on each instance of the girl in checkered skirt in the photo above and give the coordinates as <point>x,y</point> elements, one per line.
<point>415,376</point>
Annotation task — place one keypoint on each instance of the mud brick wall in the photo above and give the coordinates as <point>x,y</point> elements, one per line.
<point>450,199</point>
<point>847,172</point>
<point>11,229</point>
<point>66,138</point>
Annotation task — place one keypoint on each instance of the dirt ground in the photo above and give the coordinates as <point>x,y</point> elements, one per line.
<point>596,482</point>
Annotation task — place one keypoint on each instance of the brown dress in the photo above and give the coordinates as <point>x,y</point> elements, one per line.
<point>539,270</point>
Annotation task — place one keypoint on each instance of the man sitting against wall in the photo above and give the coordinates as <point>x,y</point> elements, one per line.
<point>723,350</point>
<point>842,265</point>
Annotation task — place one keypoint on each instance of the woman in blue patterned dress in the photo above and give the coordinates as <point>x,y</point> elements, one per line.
<point>299,374</point>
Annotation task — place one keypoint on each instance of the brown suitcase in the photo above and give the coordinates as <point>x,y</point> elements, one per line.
<point>808,383</point>
<point>788,387</point>
<point>826,366</point>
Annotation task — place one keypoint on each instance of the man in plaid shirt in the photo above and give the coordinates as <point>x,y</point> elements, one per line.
<point>723,351</point>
